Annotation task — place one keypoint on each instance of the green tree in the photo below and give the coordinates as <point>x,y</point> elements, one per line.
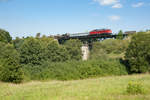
<point>138,53</point>
<point>46,40</point>
<point>10,69</point>
<point>31,52</point>
<point>17,42</point>
<point>120,35</point>
<point>74,49</point>
<point>56,52</point>
<point>5,36</point>
<point>52,51</point>
<point>38,35</point>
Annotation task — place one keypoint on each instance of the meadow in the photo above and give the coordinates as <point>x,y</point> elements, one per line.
<point>104,88</point>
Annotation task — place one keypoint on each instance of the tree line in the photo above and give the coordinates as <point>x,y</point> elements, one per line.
<point>36,58</point>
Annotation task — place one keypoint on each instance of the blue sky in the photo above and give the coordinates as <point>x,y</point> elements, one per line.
<point>28,17</point>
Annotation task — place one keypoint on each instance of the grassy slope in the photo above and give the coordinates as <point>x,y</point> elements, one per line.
<point>106,88</point>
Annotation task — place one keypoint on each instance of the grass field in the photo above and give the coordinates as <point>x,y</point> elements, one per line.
<point>105,88</point>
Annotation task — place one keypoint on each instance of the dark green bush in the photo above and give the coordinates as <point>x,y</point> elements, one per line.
<point>138,53</point>
<point>10,69</point>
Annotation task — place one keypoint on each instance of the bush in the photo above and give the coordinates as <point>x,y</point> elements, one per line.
<point>10,69</point>
<point>75,70</point>
<point>134,88</point>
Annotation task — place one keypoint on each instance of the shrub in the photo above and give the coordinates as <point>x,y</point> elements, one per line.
<point>71,70</point>
<point>10,69</point>
<point>134,88</point>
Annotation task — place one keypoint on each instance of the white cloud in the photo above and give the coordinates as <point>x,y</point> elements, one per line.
<point>117,5</point>
<point>114,18</point>
<point>106,2</point>
<point>138,4</point>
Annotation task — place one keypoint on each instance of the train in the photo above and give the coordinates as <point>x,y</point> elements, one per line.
<point>93,32</point>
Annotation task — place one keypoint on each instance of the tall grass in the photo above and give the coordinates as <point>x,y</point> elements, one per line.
<point>104,88</point>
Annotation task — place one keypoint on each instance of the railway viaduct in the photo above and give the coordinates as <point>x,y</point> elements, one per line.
<point>88,39</point>
<point>87,42</point>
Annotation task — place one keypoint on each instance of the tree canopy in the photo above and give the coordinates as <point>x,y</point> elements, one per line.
<point>5,36</point>
<point>74,49</point>
<point>138,53</point>
<point>120,35</point>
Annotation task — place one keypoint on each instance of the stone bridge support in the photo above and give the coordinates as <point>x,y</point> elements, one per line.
<point>85,52</point>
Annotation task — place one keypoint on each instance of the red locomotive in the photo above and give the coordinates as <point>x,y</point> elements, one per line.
<point>100,31</point>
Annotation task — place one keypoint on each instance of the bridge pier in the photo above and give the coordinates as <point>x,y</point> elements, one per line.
<point>85,52</point>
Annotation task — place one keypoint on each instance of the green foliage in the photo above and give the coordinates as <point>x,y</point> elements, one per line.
<point>74,49</point>
<point>44,58</point>
<point>56,53</point>
<point>10,69</point>
<point>46,40</point>
<point>52,51</point>
<point>5,36</point>
<point>17,43</point>
<point>30,52</point>
<point>75,70</point>
<point>97,51</point>
<point>36,50</point>
<point>120,35</point>
<point>109,46</point>
<point>134,88</point>
<point>138,53</point>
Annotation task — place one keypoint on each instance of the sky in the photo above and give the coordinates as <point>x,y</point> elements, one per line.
<point>50,17</point>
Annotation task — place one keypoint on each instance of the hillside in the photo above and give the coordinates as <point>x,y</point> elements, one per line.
<point>105,88</point>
